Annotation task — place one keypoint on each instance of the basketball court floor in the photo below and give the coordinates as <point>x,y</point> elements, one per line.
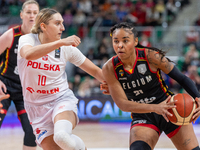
<point>97,136</point>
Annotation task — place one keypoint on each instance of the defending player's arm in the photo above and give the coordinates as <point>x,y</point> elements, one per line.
<point>30,52</point>
<point>120,98</point>
<point>92,69</point>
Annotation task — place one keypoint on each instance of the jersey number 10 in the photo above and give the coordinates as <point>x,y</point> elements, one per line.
<point>42,80</point>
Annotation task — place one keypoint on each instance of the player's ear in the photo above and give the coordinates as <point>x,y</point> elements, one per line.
<point>43,26</point>
<point>21,14</point>
<point>136,41</point>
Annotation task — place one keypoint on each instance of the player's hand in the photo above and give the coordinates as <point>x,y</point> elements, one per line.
<point>104,88</point>
<point>197,110</point>
<point>71,40</point>
<point>2,88</point>
<point>162,108</point>
<point>2,97</point>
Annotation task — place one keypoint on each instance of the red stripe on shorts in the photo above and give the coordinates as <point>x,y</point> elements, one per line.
<point>147,125</point>
<point>171,134</point>
<point>21,112</point>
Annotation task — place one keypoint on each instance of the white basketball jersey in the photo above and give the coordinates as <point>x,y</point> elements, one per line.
<point>43,80</point>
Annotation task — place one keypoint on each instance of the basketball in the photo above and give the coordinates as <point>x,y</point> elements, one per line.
<point>185,106</point>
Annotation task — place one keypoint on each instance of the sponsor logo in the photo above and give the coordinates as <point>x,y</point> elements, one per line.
<point>41,134</point>
<point>125,78</point>
<point>139,121</point>
<point>52,91</point>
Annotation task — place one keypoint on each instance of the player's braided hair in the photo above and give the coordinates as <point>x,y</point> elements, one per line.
<point>129,26</point>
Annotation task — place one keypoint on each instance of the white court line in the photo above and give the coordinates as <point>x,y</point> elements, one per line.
<point>127,149</point>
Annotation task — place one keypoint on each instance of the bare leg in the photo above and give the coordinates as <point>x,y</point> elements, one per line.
<point>185,139</point>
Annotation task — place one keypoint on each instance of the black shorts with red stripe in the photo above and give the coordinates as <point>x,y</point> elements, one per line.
<point>15,91</point>
<point>154,121</point>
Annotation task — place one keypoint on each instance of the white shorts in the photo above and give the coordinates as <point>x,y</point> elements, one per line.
<point>41,117</point>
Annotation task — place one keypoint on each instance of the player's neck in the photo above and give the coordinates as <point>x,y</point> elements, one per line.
<point>25,29</point>
<point>43,39</point>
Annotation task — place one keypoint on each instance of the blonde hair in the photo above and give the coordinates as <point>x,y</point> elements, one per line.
<point>29,2</point>
<point>42,17</point>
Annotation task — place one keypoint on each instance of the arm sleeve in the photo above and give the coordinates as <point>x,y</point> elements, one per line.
<point>25,40</point>
<point>74,55</point>
<point>185,82</point>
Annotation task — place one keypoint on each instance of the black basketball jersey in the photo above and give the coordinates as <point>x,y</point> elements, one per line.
<point>142,84</point>
<point>8,65</point>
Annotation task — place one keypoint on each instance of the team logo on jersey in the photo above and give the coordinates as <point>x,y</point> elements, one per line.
<point>142,68</point>
<point>57,53</point>
<point>121,73</point>
<point>45,58</point>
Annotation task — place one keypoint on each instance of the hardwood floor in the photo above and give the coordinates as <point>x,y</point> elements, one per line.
<point>97,136</point>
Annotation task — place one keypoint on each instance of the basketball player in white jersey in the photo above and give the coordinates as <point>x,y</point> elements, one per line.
<point>50,104</point>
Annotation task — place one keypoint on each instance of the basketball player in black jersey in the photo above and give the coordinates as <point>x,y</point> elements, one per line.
<point>9,72</point>
<point>135,83</point>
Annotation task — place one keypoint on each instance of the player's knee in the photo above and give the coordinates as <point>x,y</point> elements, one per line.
<point>140,145</point>
<point>64,140</point>
<point>196,148</point>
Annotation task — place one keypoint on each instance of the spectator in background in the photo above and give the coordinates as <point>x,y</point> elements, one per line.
<point>79,18</point>
<point>192,36</point>
<point>192,52</point>
<point>145,40</point>
<point>76,83</point>
<point>128,4</point>
<point>192,55</point>
<point>85,6</point>
<point>171,9</point>
<point>192,73</point>
<point>132,15</point>
<point>141,15</point>
<point>160,8</point>
<point>149,4</point>
<point>153,18</point>
<point>138,5</point>
<point>85,89</point>
<point>95,14</point>
<point>197,21</point>
<point>91,55</point>
<point>68,18</point>
<point>73,6</point>
<point>106,6</point>
<point>121,13</point>
<point>4,7</point>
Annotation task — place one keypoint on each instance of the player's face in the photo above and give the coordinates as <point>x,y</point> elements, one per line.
<point>53,30</point>
<point>29,13</point>
<point>124,43</point>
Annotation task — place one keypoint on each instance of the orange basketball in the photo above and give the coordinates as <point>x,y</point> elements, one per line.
<point>185,106</point>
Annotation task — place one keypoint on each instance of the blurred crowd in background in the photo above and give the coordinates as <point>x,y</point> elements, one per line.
<point>77,13</point>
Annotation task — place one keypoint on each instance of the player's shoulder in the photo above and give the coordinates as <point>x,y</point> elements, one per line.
<point>29,36</point>
<point>8,34</point>
<point>108,65</point>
